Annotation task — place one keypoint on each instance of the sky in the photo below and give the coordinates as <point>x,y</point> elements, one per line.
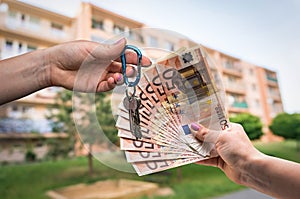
<point>262,32</point>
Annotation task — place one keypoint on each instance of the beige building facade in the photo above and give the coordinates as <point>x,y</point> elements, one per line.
<point>24,27</point>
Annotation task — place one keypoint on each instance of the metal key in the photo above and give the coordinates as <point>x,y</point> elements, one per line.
<point>136,120</point>
<point>132,104</point>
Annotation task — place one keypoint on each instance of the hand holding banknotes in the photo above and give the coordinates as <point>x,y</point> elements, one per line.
<point>94,66</point>
<point>245,165</point>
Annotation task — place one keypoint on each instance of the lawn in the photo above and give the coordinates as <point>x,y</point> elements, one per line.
<point>33,180</point>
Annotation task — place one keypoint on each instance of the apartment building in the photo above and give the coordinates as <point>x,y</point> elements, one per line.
<point>24,27</point>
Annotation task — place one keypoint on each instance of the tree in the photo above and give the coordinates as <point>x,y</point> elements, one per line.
<point>61,121</point>
<point>95,124</point>
<point>288,126</point>
<point>251,123</point>
<point>87,119</point>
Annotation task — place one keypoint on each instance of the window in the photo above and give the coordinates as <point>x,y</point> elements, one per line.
<point>228,64</point>
<point>23,17</point>
<point>232,79</point>
<point>257,103</point>
<point>34,20</point>
<point>118,29</point>
<point>20,46</point>
<point>253,87</point>
<point>169,46</point>
<point>12,14</point>
<point>251,71</point>
<point>56,26</point>
<point>97,24</point>
<point>140,38</point>
<point>31,48</point>
<point>8,45</point>
<point>24,109</point>
<point>14,108</point>
<point>153,41</point>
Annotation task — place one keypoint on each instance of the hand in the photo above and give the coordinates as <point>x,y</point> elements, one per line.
<point>89,66</point>
<point>234,149</point>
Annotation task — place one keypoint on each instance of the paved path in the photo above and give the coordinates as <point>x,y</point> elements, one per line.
<point>245,194</point>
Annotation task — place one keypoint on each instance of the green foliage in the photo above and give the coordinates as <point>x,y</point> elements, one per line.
<point>61,117</point>
<point>96,124</point>
<point>28,181</point>
<point>89,119</point>
<point>57,149</point>
<point>251,123</point>
<point>286,125</point>
<point>105,117</point>
<point>30,156</point>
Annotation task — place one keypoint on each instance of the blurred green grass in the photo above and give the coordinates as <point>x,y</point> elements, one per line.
<point>33,180</point>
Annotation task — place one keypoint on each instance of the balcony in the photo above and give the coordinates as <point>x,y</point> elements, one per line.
<point>232,68</point>
<point>237,87</point>
<point>240,105</point>
<point>271,79</point>
<point>275,95</point>
<point>40,31</point>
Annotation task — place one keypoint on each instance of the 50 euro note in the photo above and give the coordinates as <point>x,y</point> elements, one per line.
<point>186,78</point>
<point>176,91</point>
<point>148,167</point>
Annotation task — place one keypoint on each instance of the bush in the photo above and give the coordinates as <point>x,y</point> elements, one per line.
<point>30,156</point>
<point>251,123</point>
<point>286,125</point>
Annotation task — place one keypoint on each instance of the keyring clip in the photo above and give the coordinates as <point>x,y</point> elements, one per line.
<point>123,60</point>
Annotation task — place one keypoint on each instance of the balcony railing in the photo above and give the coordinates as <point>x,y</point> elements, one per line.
<point>273,79</point>
<point>238,87</point>
<point>240,105</point>
<point>36,30</point>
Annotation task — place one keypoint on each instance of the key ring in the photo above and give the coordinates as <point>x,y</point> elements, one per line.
<point>123,60</point>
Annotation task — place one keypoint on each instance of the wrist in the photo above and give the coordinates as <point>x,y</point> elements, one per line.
<point>252,168</point>
<point>47,68</point>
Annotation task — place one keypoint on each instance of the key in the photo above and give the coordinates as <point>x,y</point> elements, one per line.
<point>132,104</point>
<point>136,120</point>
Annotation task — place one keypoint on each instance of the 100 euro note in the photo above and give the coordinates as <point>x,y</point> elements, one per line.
<point>174,92</point>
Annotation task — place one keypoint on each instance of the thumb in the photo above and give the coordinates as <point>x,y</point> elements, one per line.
<point>113,51</point>
<point>204,134</point>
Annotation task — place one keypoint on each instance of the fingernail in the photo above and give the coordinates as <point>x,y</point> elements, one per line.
<point>195,127</point>
<point>131,72</point>
<point>148,64</point>
<point>120,41</point>
<point>119,78</point>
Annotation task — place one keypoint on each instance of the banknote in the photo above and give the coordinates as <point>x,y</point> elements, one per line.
<point>143,156</point>
<point>177,90</point>
<point>148,167</point>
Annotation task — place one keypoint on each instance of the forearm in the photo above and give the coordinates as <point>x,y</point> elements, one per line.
<point>22,75</point>
<point>273,176</point>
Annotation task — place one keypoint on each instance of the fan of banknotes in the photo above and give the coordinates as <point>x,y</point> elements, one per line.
<point>177,90</point>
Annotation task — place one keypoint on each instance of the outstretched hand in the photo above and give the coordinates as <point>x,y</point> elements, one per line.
<point>89,66</point>
<point>233,147</point>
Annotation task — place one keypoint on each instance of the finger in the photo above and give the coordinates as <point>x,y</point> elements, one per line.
<point>108,85</point>
<point>111,52</point>
<point>198,131</point>
<point>116,67</point>
<point>209,162</point>
<point>204,134</point>
<point>132,58</point>
<point>118,78</point>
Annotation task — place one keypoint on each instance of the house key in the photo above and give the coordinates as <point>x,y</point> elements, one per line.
<point>132,104</point>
